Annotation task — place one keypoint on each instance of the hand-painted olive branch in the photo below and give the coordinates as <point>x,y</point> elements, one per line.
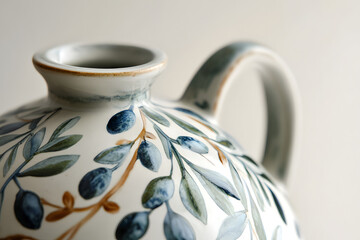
<point>11,159</point>
<point>31,217</point>
<point>223,158</point>
<point>216,185</point>
<point>114,155</point>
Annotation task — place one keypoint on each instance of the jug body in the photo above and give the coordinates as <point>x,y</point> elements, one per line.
<point>98,159</point>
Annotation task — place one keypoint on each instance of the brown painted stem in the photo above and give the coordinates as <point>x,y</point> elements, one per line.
<point>96,207</point>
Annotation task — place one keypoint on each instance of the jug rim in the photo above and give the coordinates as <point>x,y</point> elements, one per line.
<point>100,59</point>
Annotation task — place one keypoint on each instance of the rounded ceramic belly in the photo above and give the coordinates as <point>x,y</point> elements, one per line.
<point>139,172</point>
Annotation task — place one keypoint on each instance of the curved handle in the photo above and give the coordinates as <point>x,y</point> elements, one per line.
<point>208,88</point>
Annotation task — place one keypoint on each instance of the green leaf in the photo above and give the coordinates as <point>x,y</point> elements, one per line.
<point>224,142</point>
<point>165,141</point>
<point>191,197</point>
<point>51,166</point>
<point>257,220</point>
<point>267,178</point>
<point>238,185</point>
<point>176,227</point>
<point>217,179</point>
<point>186,126</point>
<point>10,160</point>
<point>11,127</point>
<point>158,191</point>
<point>33,144</point>
<point>8,138</point>
<point>256,190</point>
<point>263,190</point>
<point>247,158</point>
<point>278,206</point>
<point>155,116</point>
<point>34,123</point>
<point>233,226</point>
<point>64,127</point>
<point>113,155</point>
<point>60,143</point>
<point>219,197</point>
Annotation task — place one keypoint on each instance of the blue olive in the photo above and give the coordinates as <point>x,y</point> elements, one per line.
<point>149,156</point>
<point>94,183</point>
<point>133,226</point>
<point>192,144</point>
<point>28,209</point>
<point>121,122</point>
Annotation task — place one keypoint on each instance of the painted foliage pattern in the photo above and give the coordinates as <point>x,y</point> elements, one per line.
<point>29,206</point>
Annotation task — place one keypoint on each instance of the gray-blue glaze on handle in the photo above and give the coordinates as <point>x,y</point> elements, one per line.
<point>207,89</point>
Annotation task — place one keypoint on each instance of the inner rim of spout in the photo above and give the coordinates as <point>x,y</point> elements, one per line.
<point>100,59</point>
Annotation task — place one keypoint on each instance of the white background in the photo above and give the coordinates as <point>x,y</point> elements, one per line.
<point>320,41</point>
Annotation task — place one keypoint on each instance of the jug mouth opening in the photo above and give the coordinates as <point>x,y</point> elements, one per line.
<point>100,59</point>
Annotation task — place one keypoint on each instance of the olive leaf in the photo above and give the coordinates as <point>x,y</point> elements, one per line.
<point>256,190</point>
<point>267,178</point>
<point>60,143</point>
<point>224,142</point>
<point>33,143</point>
<point>176,227</point>
<point>191,113</point>
<point>34,123</point>
<point>238,185</point>
<point>278,206</point>
<point>155,116</point>
<point>263,190</point>
<point>191,197</point>
<point>184,125</point>
<point>158,191</point>
<point>233,226</point>
<point>64,127</point>
<point>8,138</point>
<point>11,127</point>
<point>219,197</point>
<point>165,141</point>
<point>113,155</point>
<point>192,144</point>
<point>10,160</point>
<point>50,166</point>
<point>133,226</point>
<point>257,220</point>
<point>249,159</point>
<point>217,179</point>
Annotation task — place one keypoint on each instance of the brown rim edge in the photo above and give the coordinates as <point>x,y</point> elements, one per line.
<point>73,72</point>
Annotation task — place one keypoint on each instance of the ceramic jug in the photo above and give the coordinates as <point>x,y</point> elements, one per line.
<point>98,159</point>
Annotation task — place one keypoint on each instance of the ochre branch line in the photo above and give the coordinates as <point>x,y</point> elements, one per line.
<point>97,206</point>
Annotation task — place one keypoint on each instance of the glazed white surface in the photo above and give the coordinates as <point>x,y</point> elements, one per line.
<point>319,40</point>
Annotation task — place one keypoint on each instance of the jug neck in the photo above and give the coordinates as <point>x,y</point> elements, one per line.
<point>99,73</point>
